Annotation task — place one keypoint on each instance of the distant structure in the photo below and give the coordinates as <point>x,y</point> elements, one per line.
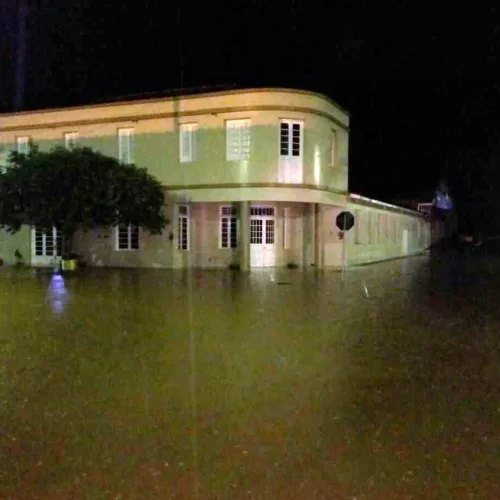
<point>425,208</point>
<point>443,208</point>
<point>442,200</point>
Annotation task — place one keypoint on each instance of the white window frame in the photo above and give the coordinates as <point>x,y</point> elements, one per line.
<point>183,218</point>
<point>130,230</point>
<point>228,213</point>
<point>126,154</point>
<point>23,144</point>
<point>265,213</point>
<point>57,243</point>
<point>291,168</point>
<point>71,139</point>
<point>288,150</point>
<point>238,139</point>
<point>187,142</point>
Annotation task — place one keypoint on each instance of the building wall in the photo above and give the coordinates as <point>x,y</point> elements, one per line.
<point>9,243</point>
<point>305,212</point>
<point>379,233</point>
<point>99,247</point>
<point>305,235</point>
<point>156,135</point>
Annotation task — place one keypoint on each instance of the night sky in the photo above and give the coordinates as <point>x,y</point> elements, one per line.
<point>420,79</point>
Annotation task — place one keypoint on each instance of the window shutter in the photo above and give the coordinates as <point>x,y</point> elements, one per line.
<point>187,144</point>
<point>232,141</point>
<point>121,147</point>
<point>245,141</point>
<point>70,139</point>
<point>131,146</point>
<point>192,135</point>
<point>126,145</point>
<point>238,139</point>
<point>184,143</point>
<point>22,144</point>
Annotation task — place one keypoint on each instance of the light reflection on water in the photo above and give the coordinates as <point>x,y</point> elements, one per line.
<point>273,384</point>
<point>57,295</point>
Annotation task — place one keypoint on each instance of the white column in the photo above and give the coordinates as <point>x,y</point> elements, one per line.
<point>244,242</point>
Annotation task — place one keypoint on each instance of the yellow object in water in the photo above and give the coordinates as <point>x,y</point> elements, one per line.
<point>68,265</point>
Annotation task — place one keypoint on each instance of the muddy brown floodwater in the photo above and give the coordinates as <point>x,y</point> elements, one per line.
<point>278,384</point>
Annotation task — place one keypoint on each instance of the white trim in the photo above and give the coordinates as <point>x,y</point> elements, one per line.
<point>267,207</point>
<point>383,204</point>
<point>55,237</point>
<point>263,253</point>
<point>126,145</point>
<point>238,139</point>
<point>45,259</point>
<point>187,142</point>
<point>23,144</point>
<point>289,148</point>
<point>129,248</point>
<point>291,165</point>
<point>183,219</point>
<point>231,215</point>
<point>71,139</point>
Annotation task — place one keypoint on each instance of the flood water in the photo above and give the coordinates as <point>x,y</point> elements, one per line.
<point>278,384</point>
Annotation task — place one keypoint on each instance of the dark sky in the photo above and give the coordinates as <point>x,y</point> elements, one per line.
<point>421,79</point>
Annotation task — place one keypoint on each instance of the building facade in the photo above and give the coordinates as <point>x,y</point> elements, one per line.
<point>253,178</point>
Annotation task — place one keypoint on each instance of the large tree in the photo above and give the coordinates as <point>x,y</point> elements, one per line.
<point>78,188</point>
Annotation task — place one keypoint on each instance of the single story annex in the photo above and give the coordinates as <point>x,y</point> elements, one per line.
<point>252,177</point>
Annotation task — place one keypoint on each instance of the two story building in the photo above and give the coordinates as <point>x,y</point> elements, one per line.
<point>252,177</point>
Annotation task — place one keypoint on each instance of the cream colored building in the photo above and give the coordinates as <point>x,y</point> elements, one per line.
<point>252,177</point>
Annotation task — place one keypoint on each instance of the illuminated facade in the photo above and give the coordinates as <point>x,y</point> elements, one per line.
<point>253,178</point>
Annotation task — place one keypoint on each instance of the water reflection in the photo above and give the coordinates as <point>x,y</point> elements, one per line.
<point>214,384</point>
<point>57,294</point>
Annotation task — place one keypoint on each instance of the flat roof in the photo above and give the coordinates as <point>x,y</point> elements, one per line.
<point>382,204</point>
<point>185,93</point>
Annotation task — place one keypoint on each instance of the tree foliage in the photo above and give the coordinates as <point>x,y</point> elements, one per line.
<point>475,183</point>
<point>77,189</point>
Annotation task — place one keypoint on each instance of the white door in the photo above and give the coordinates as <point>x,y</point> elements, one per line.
<point>46,247</point>
<point>291,146</point>
<point>262,237</point>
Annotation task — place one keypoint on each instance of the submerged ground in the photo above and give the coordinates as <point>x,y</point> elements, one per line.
<point>128,384</point>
